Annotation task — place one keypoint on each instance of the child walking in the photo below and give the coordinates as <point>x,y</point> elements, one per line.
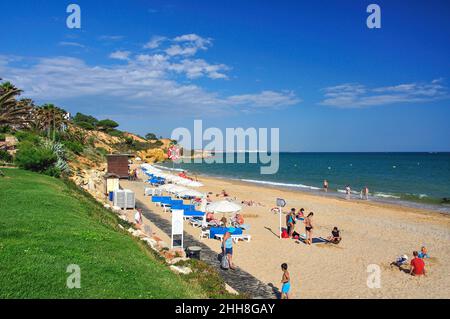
<point>286,281</point>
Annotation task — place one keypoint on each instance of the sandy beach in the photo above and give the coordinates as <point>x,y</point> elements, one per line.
<point>373,233</point>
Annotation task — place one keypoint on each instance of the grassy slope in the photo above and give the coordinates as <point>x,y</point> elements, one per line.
<point>46,224</point>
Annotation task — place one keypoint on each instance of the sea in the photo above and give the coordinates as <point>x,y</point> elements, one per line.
<point>419,180</point>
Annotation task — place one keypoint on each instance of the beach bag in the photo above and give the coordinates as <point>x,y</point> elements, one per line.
<point>224,264</point>
<point>284,234</point>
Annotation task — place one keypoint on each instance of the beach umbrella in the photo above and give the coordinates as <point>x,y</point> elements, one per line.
<point>167,187</point>
<point>177,189</point>
<point>191,193</point>
<point>195,184</point>
<point>224,207</point>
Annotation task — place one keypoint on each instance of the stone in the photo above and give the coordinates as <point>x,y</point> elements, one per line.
<point>181,270</point>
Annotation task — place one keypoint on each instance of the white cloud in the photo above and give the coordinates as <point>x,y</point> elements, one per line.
<point>144,80</point>
<point>120,55</point>
<point>353,95</point>
<point>71,44</point>
<point>198,68</point>
<point>188,44</point>
<point>111,37</point>
<point>154,42</point>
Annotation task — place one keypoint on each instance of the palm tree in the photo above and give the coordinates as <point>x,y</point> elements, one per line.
<point>12,112</point>
<point>50,118</point>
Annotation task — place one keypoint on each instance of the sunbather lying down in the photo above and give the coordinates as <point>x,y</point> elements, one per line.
<point>251,203</point>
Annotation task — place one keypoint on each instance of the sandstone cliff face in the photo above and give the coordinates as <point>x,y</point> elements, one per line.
<point>153,155</point>
<point>89,168</point>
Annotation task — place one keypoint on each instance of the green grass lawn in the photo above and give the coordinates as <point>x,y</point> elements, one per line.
<point>47,224</point>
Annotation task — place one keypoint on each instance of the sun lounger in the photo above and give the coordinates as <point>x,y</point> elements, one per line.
<point>236,238</point>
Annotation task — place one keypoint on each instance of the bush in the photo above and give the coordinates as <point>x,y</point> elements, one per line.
<point>83,118</point>
<point>73,146</point>
<point>102,151</point>
<point>31,137</point>
<point>2,137</point>
<point>86,126</point>
<point>36,158</point>
<point>107,124</point>
<point>114,132</point>
<point>5,156</point>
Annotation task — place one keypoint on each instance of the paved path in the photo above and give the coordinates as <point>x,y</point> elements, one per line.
<point>238,279</point>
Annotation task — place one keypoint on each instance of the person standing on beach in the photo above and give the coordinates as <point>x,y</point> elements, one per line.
<point>348,192</point>
<point>290,222</point>
<point>286,282</point>
<point>365,193</point>
<point>325,186</point>
<point>227,248</point>
<point>308,228</point>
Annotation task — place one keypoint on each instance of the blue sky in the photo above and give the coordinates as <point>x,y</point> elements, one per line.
<point>310,68</point>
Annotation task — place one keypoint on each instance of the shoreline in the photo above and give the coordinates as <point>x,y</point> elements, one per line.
<point>394,203</point>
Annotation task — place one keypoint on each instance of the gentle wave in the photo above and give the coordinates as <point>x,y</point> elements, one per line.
<point>280,184</point>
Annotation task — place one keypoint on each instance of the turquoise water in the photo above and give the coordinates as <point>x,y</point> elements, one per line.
<point>411,177</point>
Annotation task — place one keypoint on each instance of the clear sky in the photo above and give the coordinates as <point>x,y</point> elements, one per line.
<point>311,68</point>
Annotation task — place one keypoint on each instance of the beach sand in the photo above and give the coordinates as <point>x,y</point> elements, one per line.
<point>373,233</point>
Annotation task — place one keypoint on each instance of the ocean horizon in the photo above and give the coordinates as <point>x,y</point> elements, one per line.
<point>418,179</point>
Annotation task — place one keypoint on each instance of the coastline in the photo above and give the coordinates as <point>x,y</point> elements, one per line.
<point>383,202</point>
<point>373,233</point>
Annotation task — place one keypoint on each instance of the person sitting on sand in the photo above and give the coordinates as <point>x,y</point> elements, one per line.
<point>423,253</point>
<point>417,265</point>
<point>308,228</point>
<point>335,237</point>
<point>286,282</point>
<point>239,219</point>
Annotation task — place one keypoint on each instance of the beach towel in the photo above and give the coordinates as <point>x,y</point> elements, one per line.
<point>315,240</point>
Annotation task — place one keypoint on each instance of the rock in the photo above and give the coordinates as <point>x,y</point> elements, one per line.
<point>121,227</point>
<point>177,259</point>
<point>181,270</point>
<point>230,289</point>
<point>162,245</point>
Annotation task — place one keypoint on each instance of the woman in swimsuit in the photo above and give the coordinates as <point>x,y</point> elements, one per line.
<point>308,228</point>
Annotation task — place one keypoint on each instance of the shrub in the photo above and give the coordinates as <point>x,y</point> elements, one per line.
<point>107,124</point>
<point>36,158</point>
<point>86,126</point>
<point>102,151</point>
<point>83,118</point>
<point>150,136</point>
<point>2,137</point>
<point>31,137</point>
<point>73,146</point>
<point>5,156</point>
<point>114,132</point>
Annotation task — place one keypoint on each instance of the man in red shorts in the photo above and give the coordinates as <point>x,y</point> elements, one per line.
<point>417,265</point>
